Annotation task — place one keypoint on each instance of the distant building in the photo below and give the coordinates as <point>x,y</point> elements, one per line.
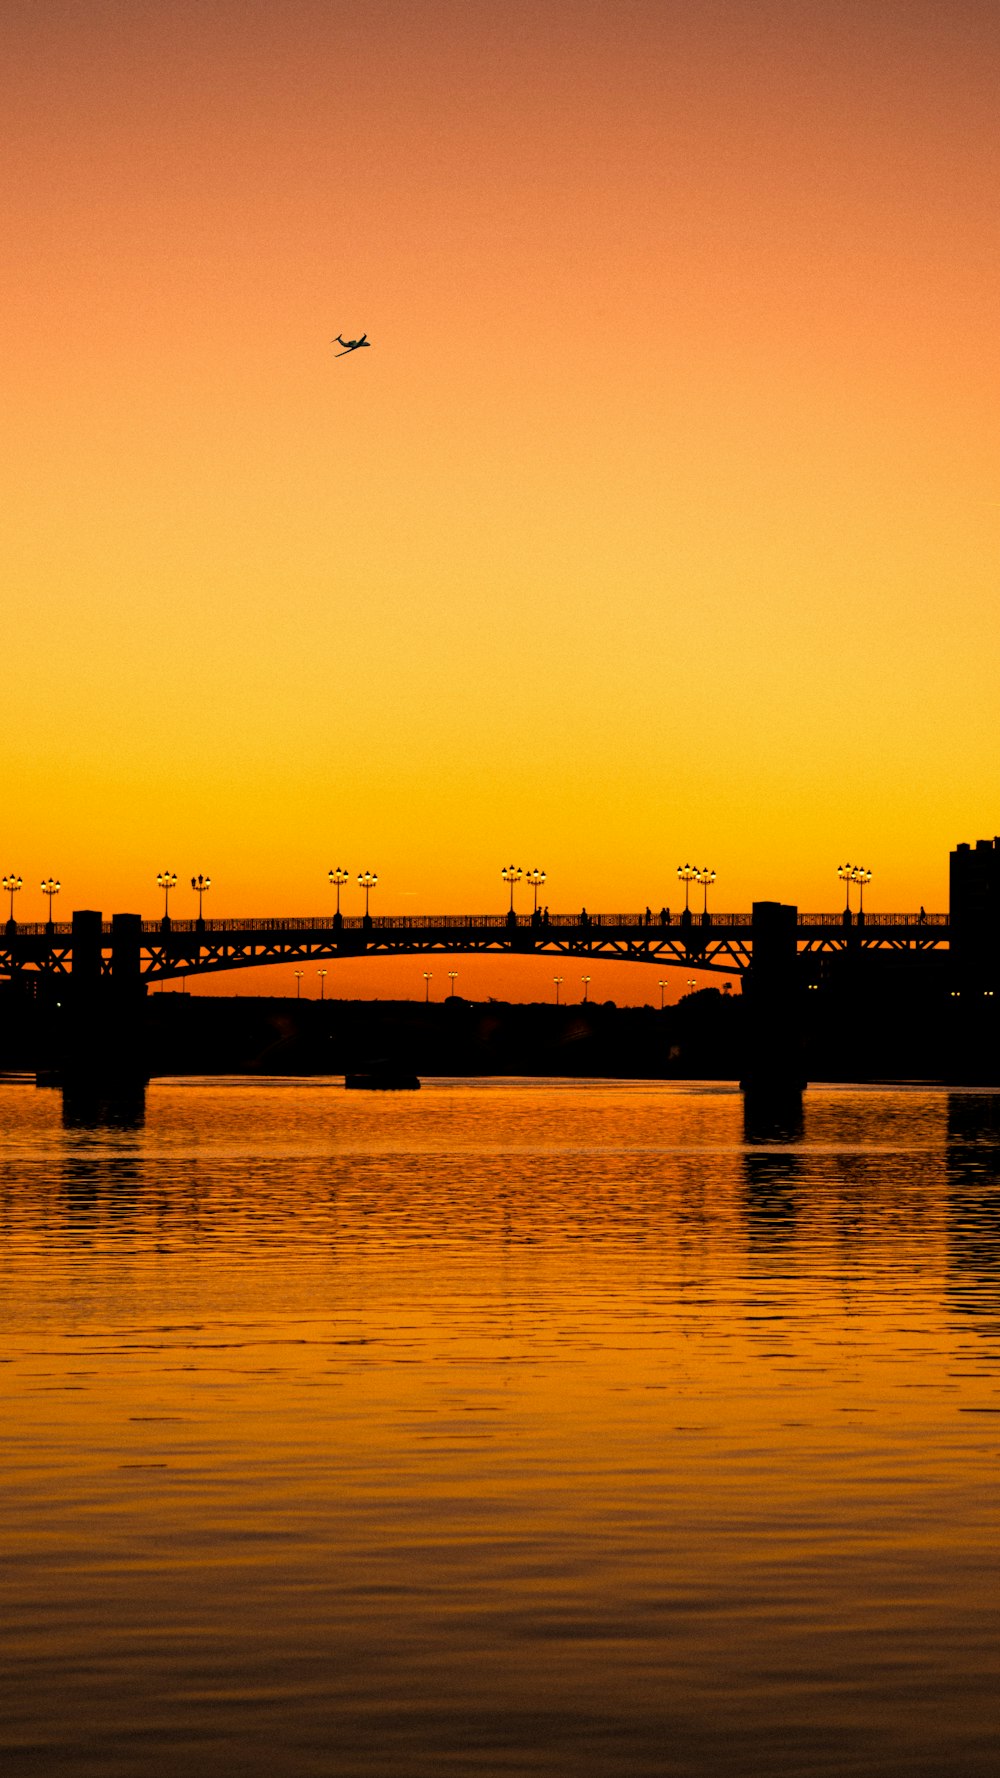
<point>975,908</point>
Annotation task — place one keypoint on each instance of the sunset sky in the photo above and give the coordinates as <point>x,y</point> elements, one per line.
<point>660,523</point>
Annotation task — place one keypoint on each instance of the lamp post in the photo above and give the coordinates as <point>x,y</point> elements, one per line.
<point>322,983</point>
<point>558,982</point>
<point>862,877</point>
<point>368,880</point>
<point>661,986</point>
<point>512,874</point>
<point>50,887</point>
<point>298,984</point>
<point>687,873</point>
<point>167,880</point>
<point>692,984</point>
<point>337,876</point>
<point>536,878</point>
<point>11,885</point>
<point>453,977</point>
<point>427,985</point>
<point>201,886</point>
<point>706,878</point>
<point>846,874</point>
<point>585,979</point>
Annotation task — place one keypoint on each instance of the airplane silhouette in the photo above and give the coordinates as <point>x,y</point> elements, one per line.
<point>349,345</point>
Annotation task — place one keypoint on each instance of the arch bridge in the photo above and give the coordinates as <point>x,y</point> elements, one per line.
<point>130,949</point>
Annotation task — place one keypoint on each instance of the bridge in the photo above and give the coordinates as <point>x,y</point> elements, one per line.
<point>89,978</point>
<point>128,948</point>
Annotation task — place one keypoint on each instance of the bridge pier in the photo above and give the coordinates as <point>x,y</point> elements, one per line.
<point>96,1035</point>
<point>773,1072</point>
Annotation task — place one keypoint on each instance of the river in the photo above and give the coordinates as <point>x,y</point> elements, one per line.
<point>507,1427</point>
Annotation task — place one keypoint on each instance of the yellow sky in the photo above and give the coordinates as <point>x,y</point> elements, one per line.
<point>659,523</point>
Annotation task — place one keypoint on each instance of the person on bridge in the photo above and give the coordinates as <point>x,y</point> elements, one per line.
<point>664,916</point>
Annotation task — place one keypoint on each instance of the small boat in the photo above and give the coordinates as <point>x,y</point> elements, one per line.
<point>381,1078</point>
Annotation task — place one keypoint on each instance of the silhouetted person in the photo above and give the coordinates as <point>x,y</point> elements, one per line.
<point>922,916</point>
<point>664,916</point>
<point>649,917</point>
<point>584,917</point>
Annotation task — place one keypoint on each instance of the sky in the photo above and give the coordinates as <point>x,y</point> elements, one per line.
<point>659,525</point>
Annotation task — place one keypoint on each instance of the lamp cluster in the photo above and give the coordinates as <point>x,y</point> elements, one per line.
<point>512,874</point>
<point>700,874</point>
<point>13,883</point>
<point>855,873</point>
<point>167,881</point>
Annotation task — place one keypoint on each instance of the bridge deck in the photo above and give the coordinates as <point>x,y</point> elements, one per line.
<point>719,942</point>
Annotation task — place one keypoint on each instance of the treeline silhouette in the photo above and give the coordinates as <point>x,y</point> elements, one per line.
<point>188,1034</point>
<point>878,1018</point>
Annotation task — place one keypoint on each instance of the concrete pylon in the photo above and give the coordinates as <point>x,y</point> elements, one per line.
<point>99,1035</point>
<point>772,989</point>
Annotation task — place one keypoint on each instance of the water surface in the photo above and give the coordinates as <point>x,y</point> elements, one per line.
<point>507,1427</point>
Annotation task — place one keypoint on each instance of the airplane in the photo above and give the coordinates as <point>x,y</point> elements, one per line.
<point>349,345</point>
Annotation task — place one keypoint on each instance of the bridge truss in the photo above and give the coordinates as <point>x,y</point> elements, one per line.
<point>719,943</point>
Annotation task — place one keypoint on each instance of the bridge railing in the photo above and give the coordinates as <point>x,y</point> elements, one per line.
<point>879,920</point>
<point>326,924</point>
<point>440,922</point>
<point>40,929</point>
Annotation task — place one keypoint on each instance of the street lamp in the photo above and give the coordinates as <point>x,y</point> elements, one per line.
<point>11,885</point>
<point>661,986</point>
<point>536,878</point>
<point>846,874</point>
<point>512,874</point>
<point>558,981</point>
<point>692,984</point>
<point>706,878</point>
<point>201,886</point>
<point>368,880</point>
<point>453,977</point>
<point>50,887</point>
<point>167,880</point>
<point>322,983</point>
<point>585,979</point>
<point>862,877</point>
<point>337,876</point>
<point>687,873</point>
<point>298,984</point>
<point>427,985</point>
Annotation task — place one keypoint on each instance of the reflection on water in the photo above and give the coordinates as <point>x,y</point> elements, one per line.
<point>87,1108</point>
<point>513,1427</point>
<point>774,1115</point>
<point>974,1208</point>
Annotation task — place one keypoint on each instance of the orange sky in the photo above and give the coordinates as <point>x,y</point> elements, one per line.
<point>660,523</point>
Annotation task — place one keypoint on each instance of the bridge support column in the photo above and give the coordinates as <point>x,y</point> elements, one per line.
<point>71,1012</point>
<point>102,1041</point>
<point>128,997</point>
<point>773,1069</point>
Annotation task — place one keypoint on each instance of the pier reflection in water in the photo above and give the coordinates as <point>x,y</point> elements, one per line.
<point>518,1427</point>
